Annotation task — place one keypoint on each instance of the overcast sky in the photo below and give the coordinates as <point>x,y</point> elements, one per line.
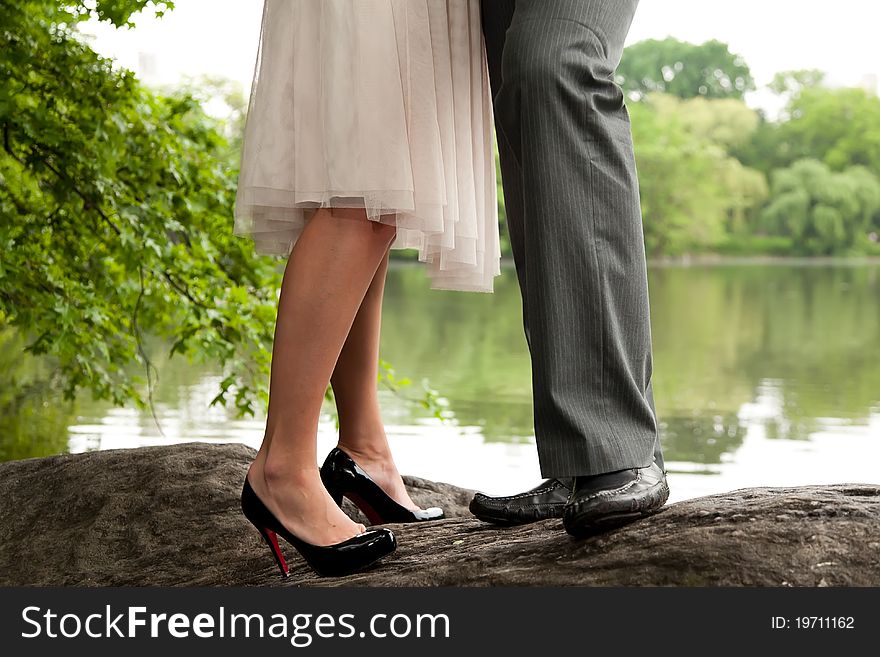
<point>219,37</point>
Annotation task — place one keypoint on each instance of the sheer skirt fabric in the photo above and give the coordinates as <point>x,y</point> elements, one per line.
<point>377,104</point>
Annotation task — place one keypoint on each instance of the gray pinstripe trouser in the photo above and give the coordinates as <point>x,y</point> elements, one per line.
<point>573,212</point>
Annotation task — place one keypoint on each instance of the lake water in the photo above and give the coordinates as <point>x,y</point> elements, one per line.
<point>765,374</point>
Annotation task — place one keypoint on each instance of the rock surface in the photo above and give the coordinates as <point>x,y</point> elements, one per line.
<point>170,516</point>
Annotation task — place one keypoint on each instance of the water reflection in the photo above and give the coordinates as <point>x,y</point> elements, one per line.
<point>33,421</point>
<point>758,369</point>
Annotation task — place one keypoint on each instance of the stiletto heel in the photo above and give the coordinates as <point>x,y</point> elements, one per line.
<point>335,560</point>
<point>271,539</point>
<point>343,477</point>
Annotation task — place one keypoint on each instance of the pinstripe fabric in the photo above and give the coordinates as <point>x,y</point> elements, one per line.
<point>574,217</point>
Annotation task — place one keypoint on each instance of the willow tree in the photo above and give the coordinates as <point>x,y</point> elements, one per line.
<point>825,212</point>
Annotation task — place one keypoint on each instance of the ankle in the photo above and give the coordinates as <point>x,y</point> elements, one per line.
<point>366,451</point>
<point>366,441</point>
<point>276,472</point>
<point>365,435</point>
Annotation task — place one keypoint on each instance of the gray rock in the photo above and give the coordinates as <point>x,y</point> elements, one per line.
<point>170,516</point>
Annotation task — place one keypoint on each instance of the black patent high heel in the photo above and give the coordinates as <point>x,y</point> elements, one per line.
<point>334,560</point>
<point>343,477</point>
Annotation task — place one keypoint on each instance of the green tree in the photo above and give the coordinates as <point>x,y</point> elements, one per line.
<point>115,218</point>
<point>691,190</point>
<point>789,84</point>
<point>840,127</point>
<point>225,100</point>
<point>825,212</point>
<point>726,122</point>
<point>683,69</point>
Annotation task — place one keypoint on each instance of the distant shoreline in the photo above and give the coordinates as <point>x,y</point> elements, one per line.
<point>800,261</point>
<point>705,260</point>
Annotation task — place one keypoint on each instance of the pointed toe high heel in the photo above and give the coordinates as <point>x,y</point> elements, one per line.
<point>343,477</point>
<point>335,560</point>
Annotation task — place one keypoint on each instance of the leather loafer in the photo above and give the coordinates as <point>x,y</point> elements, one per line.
<point>546,500</point>
<point>611,499</point>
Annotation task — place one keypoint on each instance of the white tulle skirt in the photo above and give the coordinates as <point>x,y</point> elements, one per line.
<point>376,104</point>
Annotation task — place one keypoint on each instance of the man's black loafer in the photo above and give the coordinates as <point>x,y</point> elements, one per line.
<point>611,499</point>
<point>546,500</point>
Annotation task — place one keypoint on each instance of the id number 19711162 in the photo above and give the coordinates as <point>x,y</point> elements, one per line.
<point>813,623</point>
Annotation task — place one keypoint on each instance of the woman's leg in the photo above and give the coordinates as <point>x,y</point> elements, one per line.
<point>328,273</point>
<point>361,432</point>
